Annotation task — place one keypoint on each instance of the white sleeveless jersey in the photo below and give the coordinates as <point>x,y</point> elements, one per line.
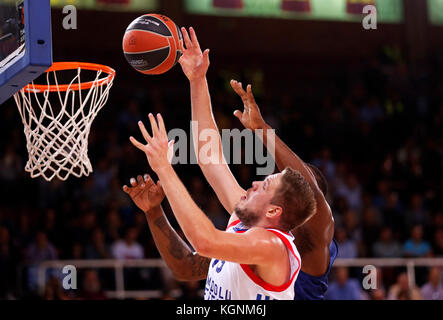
<point>233,281</point>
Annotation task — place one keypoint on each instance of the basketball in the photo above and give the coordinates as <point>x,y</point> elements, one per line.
<point>151,44</point>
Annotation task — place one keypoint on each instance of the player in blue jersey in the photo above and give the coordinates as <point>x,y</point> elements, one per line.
<point>314,239</point>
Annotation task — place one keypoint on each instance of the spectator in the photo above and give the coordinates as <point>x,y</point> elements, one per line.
<point>416,246</point>
<point>91,287</point>
<point>377,294</point>
<point>347,247</point>
<point>351,224</point>
<point>438,243</point>
<point>113,225</point>
<point>416,214</point>
<point>88,222</point>
<point>8,260</point>
<point>351,191</point>
<point>402,291</point>
<point>10,164</point>
<point>41,249</point>
<point>54,290</point>
<point>380,199</point>
<point>97,248</point>
<point>24,233</point>
<point>103,175</point>
<point>190,291</point>
<point>433,289</point>
<point>77,252</point>
<point>386,246</point>
<point>371,112</point>
<point>325,164</point>
<point>128,248</point>
<point>38,251</point>
<point>392,215</point>
<point>344,288</point>
<point>370,229</point>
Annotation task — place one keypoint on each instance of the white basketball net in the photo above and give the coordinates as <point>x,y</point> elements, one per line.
<point>57,139</point>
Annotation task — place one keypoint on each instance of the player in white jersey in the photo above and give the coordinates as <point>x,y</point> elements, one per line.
<point>232,281</point>
<point>263,259</point>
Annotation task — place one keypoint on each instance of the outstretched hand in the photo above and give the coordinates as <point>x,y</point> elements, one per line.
<point>145,193</point>
<point>194,62</point>
<point>251,117</point>
<point>158,151</point>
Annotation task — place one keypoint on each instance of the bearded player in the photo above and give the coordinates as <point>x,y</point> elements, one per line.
<point>256,256</point>
<point>313,239</point>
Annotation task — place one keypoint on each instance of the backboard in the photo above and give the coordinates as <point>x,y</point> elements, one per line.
<point>25,43</point>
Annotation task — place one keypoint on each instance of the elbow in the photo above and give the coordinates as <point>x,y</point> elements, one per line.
<point>181,276</point>
<point>178,275</point>
<point>205,241</point>
<point>203,246</point>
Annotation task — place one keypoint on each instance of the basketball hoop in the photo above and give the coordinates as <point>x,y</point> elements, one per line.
<point>58,117</point>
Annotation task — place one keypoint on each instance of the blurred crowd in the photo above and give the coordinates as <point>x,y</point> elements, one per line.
<point>373,129</point>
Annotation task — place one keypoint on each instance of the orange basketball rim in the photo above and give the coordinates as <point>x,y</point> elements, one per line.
<point>60,66</point>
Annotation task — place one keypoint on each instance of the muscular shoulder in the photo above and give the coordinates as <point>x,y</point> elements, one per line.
<point>267,240</point>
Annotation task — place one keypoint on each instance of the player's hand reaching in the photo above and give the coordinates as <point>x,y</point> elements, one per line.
<point>251,117</point>
<point>158,151</point>
<point>194,62</point>
<point>145,193</point>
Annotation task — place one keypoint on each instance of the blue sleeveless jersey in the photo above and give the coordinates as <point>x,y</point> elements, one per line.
<point>308,287</point>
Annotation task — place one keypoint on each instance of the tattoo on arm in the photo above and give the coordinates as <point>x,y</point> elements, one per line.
<point>200,265</point>
<point>192,264</point>
<point>176,249</point>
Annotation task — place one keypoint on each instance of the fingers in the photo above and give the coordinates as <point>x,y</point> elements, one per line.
<point>238,114</point>
<point>144,132</point>
<point>148,181</point>
<point>188,41</point>
<point>160,188</point>
<point>194,38</point>
<point>250,94</point>
<point>133,182</point>
<point>126,189</point>
<point>140,181</point>
<point>153,125</point>
<point>170,153</point>
<point>182,46</point>
<point>238,88</point>
<point>137,144</point>
<point>206,56</point>
<point>161,125</point>
<point>182,49</point>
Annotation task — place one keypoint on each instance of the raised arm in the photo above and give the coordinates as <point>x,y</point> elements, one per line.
<point>195,64</point>
<point>252,119</point>
<point>256,246</point>
<point>185,264</point>
<point>316,234</point>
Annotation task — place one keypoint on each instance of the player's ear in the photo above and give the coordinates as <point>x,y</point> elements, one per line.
<point>274,211</point>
